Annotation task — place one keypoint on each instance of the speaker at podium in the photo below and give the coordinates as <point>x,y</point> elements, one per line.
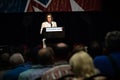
<point>53,32</point>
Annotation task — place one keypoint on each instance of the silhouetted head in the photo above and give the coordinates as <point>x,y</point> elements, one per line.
<point>45,56</point>
<point>61,50</point>
<point>112,41</point>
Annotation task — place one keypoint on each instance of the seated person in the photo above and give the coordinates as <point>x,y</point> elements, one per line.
<point>110,64</point>
<point>17,62</point>
<point>44,60</point>
<point>83,67</point>
<point>61,66</point>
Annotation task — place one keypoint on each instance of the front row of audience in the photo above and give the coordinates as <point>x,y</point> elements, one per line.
<point>60,62</point>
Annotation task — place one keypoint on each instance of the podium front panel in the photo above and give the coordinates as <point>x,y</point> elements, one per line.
<point>54,32</point>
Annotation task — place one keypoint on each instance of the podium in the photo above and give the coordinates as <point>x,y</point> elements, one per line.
<point>53,32</point>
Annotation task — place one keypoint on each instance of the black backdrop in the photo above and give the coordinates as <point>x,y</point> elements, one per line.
<point>23,28</point>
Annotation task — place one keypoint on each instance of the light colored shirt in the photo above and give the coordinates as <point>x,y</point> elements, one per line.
<point>47,24</point>
<point>33,73</point>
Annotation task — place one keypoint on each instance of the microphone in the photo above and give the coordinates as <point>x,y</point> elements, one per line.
<point>51,24</point>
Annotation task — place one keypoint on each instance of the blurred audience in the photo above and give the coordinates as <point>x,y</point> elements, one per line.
<point>4,64</point>
<point>60,61</point>
<point>110,64</point>
<point>77,48</point>
<point>95,48</point>
<point>61,66</point>
<point>45,61</point>
<point>18,66</point>
<point>83,67</point>
<point>4,61</point>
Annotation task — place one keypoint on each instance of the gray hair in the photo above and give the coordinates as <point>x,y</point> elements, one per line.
<point>16,59</point>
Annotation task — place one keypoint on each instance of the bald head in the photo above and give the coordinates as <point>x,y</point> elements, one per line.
<point>60,45</point>
<point>61,50</point>
<point>45,56</point>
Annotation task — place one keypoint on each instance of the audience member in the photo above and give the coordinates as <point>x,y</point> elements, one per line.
<point>77,48</point>
<point>18,66</point>
<point>4,64</point>
<point>95,49</point>
<point>83,66</point>
<point>45,62</point>
<point>61,66</point>
<point>110,64</point>
<point>4,61</point>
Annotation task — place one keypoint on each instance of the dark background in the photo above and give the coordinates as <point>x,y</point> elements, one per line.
<point>84,27</point>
